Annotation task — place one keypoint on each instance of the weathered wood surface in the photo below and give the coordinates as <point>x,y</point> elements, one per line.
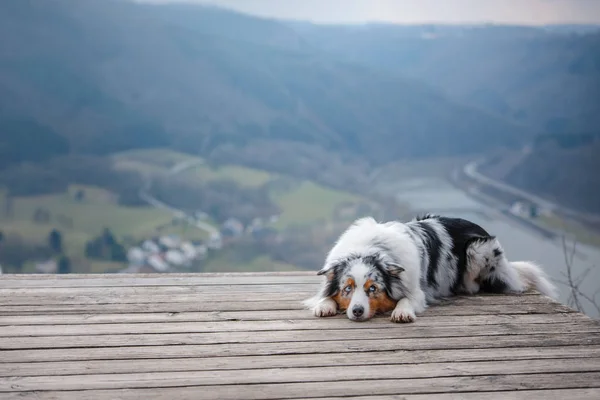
<point>246,336</point>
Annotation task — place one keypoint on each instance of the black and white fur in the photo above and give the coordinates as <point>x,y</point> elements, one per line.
<point>422,261</point>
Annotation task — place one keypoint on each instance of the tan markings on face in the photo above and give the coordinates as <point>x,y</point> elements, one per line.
<point>379,301</point>
<point>343,297</point>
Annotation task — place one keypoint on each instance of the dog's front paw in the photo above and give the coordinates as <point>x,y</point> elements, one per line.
<point>403,312</point>
<point>471,287</point>
<point>326,308</point>
<point>403,316</point>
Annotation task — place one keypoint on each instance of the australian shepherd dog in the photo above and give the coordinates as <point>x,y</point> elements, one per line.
<point>404,267</point>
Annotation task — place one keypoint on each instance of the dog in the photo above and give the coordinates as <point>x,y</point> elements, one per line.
<point>376,267</point>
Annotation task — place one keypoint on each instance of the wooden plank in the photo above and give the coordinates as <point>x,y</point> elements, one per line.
<point>208,292</point>
<point>115,280</point>
<point>267,288</point>
<point>179,275</point>
<point>323,347</point>
<point>550,354</point>
<point>556,394</point>
<point>217,311</point>
<point>293,375</point>
<point>199,302</point>
<point>213,300</point>
<point>36,337</point>
<point>11,281</point>
<point>314,323</point>
<point>161,294</point>
<point>332,389</point>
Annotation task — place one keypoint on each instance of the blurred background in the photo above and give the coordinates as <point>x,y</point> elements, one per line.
<point>245,135</point>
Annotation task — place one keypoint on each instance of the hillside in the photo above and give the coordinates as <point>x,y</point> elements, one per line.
<point>548,78</point>
<point>561,172</point>
<point>110,75</point>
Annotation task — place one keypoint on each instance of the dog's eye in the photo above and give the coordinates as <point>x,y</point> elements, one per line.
<point>348,289</point>
<point>372,289</point>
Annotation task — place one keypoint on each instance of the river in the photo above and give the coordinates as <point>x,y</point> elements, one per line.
<point>520,242</point>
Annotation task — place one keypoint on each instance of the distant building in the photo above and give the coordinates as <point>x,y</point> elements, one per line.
<point>150,247</point>
<point>169,241</point>
<point>136,255</point>
<point>188,250</point>
<point>526,210</point>
<point>215,241</point>
<point>257,223</point>
<point>46,267</point>
<point>158,263</point>
<point>232,228</point>
<point>201,252</point>
<point>175,257</point>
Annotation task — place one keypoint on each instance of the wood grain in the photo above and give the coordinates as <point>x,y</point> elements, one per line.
<point>45,337</point>
<point>231,336</point>
<point>391,358</point>
<point>293,375</point>
<point>333,389</point>
<point>175,350</point>
<point>272,324</point>
<point>244,310</point>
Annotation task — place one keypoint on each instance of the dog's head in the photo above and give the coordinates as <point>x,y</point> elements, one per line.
<point>363,285</point>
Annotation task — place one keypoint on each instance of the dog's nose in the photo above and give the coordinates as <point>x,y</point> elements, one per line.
<point>358,311</point>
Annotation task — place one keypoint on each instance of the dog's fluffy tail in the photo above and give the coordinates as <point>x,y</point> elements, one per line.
<point>534,277</point>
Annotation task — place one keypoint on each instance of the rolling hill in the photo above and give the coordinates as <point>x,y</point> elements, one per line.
<point>110,75</point>
<point>547,78</point>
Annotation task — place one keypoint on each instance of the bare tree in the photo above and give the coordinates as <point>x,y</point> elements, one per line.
<point>574,282</point>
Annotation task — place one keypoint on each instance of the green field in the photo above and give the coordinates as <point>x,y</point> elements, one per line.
<point>580,232</point>
<point>258,264</point>
<point>241,175</point>
<point>86,219</point>
<point>165,158</point>
<point>309,203</point>
<point>306,203</point>
<point>159,161</point>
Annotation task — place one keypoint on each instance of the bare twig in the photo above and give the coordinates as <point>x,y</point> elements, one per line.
<point>573,284</point>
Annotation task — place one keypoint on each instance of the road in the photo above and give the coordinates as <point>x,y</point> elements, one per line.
<point>471,171</point>
<point>153,201</point>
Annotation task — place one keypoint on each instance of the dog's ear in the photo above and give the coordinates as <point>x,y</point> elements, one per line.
<point>328,270</point>
<point>394,269</point>
<point>331,272</point>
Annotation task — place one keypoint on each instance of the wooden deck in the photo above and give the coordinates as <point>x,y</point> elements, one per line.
<point>227,336</point>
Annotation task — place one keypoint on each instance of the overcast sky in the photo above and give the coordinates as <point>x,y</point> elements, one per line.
<point>419,11</point>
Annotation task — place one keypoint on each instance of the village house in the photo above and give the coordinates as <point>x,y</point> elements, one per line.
<point>164,253</point>
<point>46,267</point>
<point>232,228</point>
